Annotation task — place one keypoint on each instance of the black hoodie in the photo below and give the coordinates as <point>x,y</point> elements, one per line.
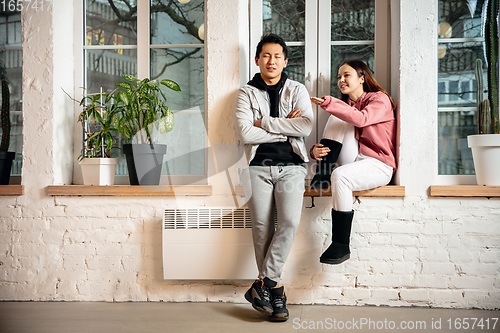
<point>276,153</point>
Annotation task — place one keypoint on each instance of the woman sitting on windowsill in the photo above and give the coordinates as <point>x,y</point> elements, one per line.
<point>357,150</point>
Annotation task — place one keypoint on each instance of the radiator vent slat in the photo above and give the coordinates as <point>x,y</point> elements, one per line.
<point>207,218</point>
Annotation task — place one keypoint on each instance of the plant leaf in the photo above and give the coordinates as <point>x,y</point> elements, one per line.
<point>122,97</point>
<point>171,84</point>
<point>166,123</point>
<point>124,85</point>
<point>153,83</point>
<point>130,78</point>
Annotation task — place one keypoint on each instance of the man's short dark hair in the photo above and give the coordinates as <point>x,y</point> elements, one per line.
<point>273,39</point>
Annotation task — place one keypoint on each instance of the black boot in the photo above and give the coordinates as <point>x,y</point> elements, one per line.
<point>338,251</point>
<point>325,167</point>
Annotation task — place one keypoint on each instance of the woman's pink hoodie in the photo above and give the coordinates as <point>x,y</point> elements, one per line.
<point>373,117</point>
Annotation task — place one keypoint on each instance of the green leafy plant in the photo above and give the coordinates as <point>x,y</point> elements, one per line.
<point>5,116</point>
<point>142,108</point>
<point>97,119</point>
<point>487,108</point>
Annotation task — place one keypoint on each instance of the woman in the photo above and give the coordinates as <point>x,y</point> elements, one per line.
<point>359,138</point>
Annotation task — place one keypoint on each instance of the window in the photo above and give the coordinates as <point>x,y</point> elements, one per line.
<point>177,53</point>
<point>460,43</point>
<point>157,39</point>
<point>320,35</point>
<point>11,66</point>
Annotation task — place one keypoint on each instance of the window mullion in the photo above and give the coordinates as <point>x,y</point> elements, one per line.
<point>255,32</point>
<point>323,74</point>
<point>143,40</point>
<point>79,53</point>
<point>383,43</point>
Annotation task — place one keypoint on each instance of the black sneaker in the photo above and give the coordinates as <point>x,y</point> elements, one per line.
<point>259,296</point>
<point>278,300</point>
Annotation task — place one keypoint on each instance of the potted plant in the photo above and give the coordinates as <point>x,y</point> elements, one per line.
<point>97,119</point>
<point>6,157</point>
<point>143,116</point>
<point>485,146</point>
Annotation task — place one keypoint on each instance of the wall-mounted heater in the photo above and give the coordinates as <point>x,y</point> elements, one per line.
<point>208,243</point>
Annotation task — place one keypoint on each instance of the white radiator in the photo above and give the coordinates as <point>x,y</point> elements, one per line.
<point>208,243</point>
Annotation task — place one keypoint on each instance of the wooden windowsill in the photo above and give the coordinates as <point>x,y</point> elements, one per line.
<point>383,191</point>
<point>14,190</point>
<point>128,190</point>
<point>464,191</point>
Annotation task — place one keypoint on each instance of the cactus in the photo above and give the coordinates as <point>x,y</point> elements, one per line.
<point>483,116</point>
<point>5,116</point>
<point>485,120</point>
<point>487,109</point>
<point>491,48</point>
<point>478,71</point>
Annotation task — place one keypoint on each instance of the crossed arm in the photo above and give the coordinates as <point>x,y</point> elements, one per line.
<point>269,129</point>
<point>294,114</point>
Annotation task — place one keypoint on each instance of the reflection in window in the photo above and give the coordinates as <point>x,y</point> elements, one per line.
<point>466,88</point>
<point>286,18</point>
<point>352,21</point>
<point>176,39</point>
<point>341,53</point>
<point>11,65</point>
<point>111,22</point>
<point>460,43</point>
<point>107,23</point>
<point>104,68</point>
<point>441,91</point>
<point>174,26</point>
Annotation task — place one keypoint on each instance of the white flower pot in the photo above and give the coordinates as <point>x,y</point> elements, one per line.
<point>486,155</point>
<point>98,171</point>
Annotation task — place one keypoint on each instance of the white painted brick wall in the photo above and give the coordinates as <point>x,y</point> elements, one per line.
<point>110,258</point>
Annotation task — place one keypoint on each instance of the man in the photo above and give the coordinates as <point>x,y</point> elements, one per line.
<point>273,115</point>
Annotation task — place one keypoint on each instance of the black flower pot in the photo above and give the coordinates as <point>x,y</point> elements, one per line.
<point>6,158</point>
<point>144,163</point>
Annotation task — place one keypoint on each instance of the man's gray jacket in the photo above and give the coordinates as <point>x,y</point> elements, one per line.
<point>253,104</point>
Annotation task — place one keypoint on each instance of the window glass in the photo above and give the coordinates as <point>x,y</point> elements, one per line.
<point>456,67</point>
<point>460,43</point>
<point>177,22</point>
<point>11,65</point>
<point>353,21</point>
<point>104,68</point>
<point>340,53</point>
<point>296,63</point>
<point>286,18</point>
<point>112,22</point>
<point>455,158</point>
<point>460,18</point>
<point>174,26</point>
<point>176,37</point>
